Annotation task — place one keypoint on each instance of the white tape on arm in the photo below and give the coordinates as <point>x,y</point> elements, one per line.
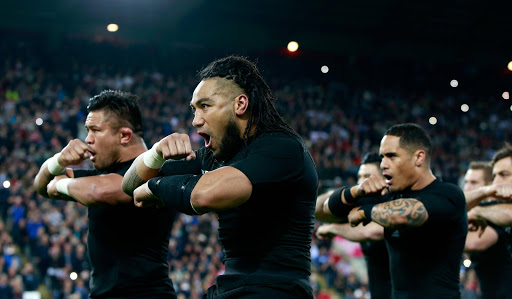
<point>54,167</point>
<point>62,186</point>
<point>152,159</point>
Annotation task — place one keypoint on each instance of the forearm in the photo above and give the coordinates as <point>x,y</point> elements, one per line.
<point>360,233</point>
<point>98,190</point>
<point>321,212</point>
<point>45,176</point>
<point>42,179</point>
<point>340,203</point>
<point>137,174</point>
<point>475,241</point>
<point>474,197</point>
<point>399,213</point>
<point>499,214</point>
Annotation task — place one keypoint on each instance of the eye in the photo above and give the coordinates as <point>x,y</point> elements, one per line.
<point>204,106</point>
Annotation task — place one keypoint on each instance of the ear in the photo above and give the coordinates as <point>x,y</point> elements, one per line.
<point>241,104</point>
<point>126,135</point>
<point>419,157</point>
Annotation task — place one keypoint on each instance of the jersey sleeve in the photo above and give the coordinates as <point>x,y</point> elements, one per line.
<point>79,173</point>
<point>444,203</point>
<point>181,167</point>
<point>272,159</point>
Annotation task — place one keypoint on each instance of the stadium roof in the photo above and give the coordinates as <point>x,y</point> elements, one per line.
<point>448,30</point>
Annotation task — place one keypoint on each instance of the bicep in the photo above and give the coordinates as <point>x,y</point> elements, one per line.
<point>403,212</point>
<point>221,189</point>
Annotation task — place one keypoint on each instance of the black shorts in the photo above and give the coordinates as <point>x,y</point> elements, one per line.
<point>258,286</point>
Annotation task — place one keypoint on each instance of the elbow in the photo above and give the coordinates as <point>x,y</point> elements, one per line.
<point>399,221</point>
<point>508,219</point>
<point>319,214</point>
<point>126,189</point>
<point>374,234</point>
<point>41,189</point>
<point>202,201</point>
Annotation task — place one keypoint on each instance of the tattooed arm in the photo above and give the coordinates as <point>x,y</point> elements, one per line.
<point>398,213</point>
<point>137,174</point>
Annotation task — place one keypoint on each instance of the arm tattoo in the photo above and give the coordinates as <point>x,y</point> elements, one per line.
<point>132,181</point>
<point>404,212</point>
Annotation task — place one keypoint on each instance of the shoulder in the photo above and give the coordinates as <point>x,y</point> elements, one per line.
<point>278,142</point>
<point>445,190</point>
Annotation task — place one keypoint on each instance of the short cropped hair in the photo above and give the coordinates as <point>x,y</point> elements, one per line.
<point>502,153</point>
<point>412,138</point>
<point>122,107</point>
<point>371,158</point>
<point>485,167</point>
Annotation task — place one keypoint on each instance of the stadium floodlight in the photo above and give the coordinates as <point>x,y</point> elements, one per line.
<point>293,46</point>
<point>112,27</point>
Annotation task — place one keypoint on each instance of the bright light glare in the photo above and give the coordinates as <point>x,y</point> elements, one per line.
<point>73,275</point>
<point>39,121</point>
<point>454,83</point>
<point>505,95</point>
<point>509,66</point>
<point>464,107</point>
<point>324,69</point>
<point>293,46</point>
<point>467,263</point>
<point>112,27</point>
<point>7,184</point>
<point>432,120</point>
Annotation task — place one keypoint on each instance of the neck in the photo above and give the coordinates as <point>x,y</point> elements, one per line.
<point>426,178</point>
<point>132,150</point>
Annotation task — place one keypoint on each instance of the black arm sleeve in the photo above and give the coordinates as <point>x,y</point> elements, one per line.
<point>175,191</point>
<point>79,173</point>
<point>336,206</point>
<point>180,167</point>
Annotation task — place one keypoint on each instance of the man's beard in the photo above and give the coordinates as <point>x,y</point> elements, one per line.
<point>230,144</point>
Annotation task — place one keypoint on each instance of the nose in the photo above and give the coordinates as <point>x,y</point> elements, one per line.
<point>89,139</point>
<point>198,120</point>
<point>383,164</point>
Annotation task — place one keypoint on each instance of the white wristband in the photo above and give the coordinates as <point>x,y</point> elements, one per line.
<point>54,167</point>
<point>152,159</point>
<point>62,186</point>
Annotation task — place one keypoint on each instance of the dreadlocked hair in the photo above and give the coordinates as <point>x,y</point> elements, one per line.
<point>263,114</point>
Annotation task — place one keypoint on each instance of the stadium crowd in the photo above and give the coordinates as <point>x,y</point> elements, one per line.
<point>43,242</point>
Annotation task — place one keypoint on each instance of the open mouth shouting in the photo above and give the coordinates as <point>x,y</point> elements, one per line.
<point>389,178</point>
<point>207,139</point>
